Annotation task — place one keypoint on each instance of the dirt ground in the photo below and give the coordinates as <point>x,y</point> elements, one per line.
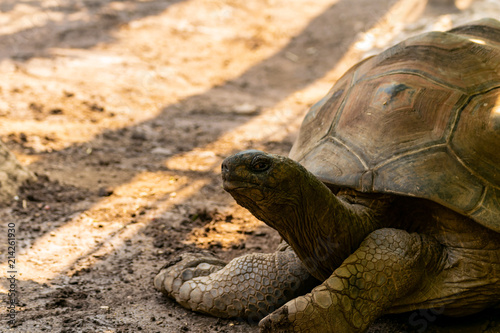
<point>125,110</point>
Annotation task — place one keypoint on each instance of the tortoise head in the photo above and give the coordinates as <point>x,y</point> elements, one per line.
<point>263,183</point>
<point>290,199</point>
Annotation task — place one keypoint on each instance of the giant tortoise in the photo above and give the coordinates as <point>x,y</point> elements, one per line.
<point>388,202</point>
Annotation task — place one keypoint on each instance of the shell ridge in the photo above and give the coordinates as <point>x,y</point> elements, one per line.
<point>463,106</point>
<point>417,151</point>
<point>480,202</point>
<point>355,80</point>
<point>309,151</point>
<point>416,72</point>
<point>456,118</point>
<point>478,30</point>
<point>360,159</point>
<point>474,173</point>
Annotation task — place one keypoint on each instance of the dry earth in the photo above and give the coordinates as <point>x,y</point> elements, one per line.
<point>125,110</point>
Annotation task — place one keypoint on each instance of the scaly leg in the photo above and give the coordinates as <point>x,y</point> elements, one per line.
<point>249,286</point>
<point>389,264</point>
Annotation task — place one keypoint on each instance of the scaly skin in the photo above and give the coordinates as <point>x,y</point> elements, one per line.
<point>389,264</point>
<point>249,287</point>
<point>375,254</point>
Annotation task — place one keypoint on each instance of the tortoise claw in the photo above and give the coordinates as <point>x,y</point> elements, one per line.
<point>276,322</point>
<point>187,267</point>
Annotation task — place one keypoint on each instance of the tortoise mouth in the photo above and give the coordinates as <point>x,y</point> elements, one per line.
<point>234,185</point>
<point>244,192</point>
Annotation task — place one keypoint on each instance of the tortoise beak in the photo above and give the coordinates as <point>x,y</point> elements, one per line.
<point>234,171</point>
<point>227,183</point>
<point>230,179</point>
<point>226,172</point>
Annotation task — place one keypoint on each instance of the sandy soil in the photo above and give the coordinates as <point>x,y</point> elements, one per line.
<point>125,110</point>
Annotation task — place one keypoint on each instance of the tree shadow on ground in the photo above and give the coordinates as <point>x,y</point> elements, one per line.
<point>54,26</point>
<point>320,35</point>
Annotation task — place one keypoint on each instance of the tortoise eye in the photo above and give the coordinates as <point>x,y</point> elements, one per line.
<point>260,164</point>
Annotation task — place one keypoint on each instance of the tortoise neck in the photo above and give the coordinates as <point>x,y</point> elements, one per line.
<point>325,229</point>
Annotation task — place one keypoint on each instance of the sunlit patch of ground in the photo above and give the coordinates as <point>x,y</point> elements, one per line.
<point>130,106</point>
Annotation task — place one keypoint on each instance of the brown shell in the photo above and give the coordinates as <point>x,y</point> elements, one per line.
<point>420,119</point>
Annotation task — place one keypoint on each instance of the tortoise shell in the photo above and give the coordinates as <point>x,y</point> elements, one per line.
<point>420,119</point>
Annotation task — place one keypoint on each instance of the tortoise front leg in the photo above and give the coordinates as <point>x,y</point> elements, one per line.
<point>249,286</point>
<point>389,264</point>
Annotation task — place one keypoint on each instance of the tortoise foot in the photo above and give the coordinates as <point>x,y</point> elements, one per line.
<point>276,322</point>
<point>189,266</point>
<point>303,314</point>
<point>318,311</point>
<point>248,287</point>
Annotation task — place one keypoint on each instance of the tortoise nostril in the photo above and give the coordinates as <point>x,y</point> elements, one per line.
<point>224,167</point>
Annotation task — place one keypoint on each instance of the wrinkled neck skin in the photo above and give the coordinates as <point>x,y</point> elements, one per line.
<point>321,228</point>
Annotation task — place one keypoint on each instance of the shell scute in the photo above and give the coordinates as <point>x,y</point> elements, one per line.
<point>420,119</point>
<point>384,117</point>
<point>321,115</point>
<point>423,174</point>
<point>478,133</point>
